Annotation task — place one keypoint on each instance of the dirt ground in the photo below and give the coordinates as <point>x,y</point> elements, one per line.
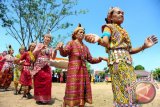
<point>102,97</point>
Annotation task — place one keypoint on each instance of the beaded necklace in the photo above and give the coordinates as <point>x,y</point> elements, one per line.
<point>121,30</point>
<point>123,33</point>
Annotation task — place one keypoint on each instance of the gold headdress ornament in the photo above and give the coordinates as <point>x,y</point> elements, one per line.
<point>10,48</point>
<point>78,28</point>
<point>109,14</point>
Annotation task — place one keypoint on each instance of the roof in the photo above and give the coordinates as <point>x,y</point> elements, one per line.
<point>142,72</point>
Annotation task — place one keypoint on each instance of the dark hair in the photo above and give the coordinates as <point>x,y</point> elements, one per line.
<point>10,48</point>
<point>74,35</point>
<point>106,19</point>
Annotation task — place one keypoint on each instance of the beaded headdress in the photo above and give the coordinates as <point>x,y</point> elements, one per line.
<point>78,28</point>
<point>10,48</point>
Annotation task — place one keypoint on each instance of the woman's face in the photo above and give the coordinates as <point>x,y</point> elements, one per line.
<point>11,52</point>
<point>47,39</point>
<point>22,51</point>
<point>117,16</point>
<point>4,53</point>
<point>80,34</point>
<point>32,47</point>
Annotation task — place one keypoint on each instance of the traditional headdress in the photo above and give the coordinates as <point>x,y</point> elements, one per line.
<point>9,48</point>
<point>78,28</point>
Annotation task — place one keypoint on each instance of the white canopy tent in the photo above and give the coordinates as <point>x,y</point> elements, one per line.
<point>59,63</point>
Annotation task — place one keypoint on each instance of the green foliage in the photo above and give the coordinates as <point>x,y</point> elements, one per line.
<point>139,67</point>
<point>106,70</point>
<point>156,74</point>
<point>57,70</point>
<point>3,10</point>
<point>33,18</point>
<point>138,76</point>
<point>102,74</point>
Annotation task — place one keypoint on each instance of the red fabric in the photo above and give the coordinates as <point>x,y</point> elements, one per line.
<point>25,78</point>
<point>1,65</point>
<point>61,79</point>
<point>78,87</point>
<point>43,84</point>
<point>6,79</point>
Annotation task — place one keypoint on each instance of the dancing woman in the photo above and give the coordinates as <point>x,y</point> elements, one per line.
<point>17,72</point>
<point>42,74</point>
<point>78,87</point>
<point>117,42</point>
<point>27,59</point>
<point>7,69</point>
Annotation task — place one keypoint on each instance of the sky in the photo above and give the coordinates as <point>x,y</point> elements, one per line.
<point>141,19</point>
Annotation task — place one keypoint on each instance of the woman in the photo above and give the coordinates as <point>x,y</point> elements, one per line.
<point>3,54</point>
<point>78,87</point>
<point>7,69</point>
<point>27,59</point>
<point>42,72</point>
<point>17,71</point>
<point>119,48</point>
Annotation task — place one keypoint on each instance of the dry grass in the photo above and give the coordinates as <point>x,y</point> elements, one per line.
<point>102,97</point>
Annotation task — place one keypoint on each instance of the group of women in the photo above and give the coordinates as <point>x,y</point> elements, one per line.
<point>35,64</point>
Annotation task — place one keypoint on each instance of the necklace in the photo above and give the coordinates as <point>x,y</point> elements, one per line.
<point>121,30</point>
<point>82,52</point>
<point>123,33</point>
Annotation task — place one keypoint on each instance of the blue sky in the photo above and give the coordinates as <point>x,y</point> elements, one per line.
<point>141,20</point>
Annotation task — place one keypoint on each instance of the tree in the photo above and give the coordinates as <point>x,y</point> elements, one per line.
<point>106,70</point>
<point>57,70</point>
<point>139,67</point>
<point>3,11</point>
<point>156,74</point>
<point>32,18</point>
<point>102,75</point>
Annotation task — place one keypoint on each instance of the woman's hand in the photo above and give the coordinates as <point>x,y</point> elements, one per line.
<point>21,62</point>
<point>59,45</point>
<point>103,58</point>
<point>150,41</point>
<point>40,46</point>
<point>92,38</point>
